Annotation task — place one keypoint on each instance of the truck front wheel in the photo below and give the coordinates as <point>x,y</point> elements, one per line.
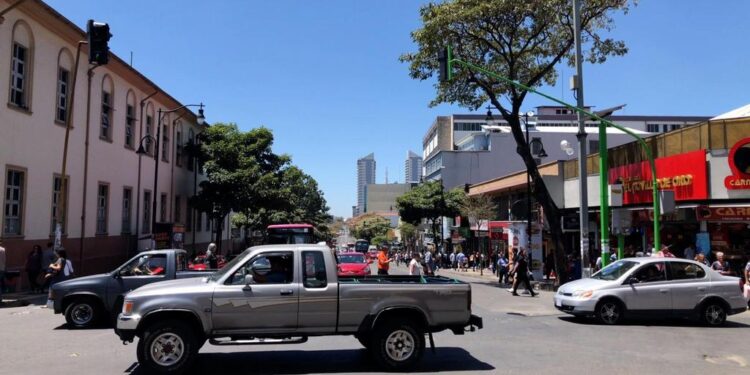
<point>83,312</point>
<point>167,347</point>
<point>397,345</point>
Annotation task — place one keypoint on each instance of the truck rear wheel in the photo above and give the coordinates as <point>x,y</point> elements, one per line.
<point>397,345</point>
<point>167,347</point>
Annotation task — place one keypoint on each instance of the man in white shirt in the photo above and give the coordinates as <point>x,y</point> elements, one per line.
<point>415,266</point>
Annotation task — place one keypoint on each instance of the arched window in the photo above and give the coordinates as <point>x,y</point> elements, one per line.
<point>105,129</point>
<point>21,66</point>
<point>130,119</point>
<point>149,128</point>
<point>165,139</point>
<point>178,144</point>
<point>64,77</point>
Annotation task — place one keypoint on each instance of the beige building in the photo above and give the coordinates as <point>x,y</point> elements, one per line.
<point>382,197</point>
<point>107,198</point>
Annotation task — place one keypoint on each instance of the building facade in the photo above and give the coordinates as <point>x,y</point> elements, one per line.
<point>382,197</point>
<point>109,187</point>
<point>365,176</point>
<point>412,168</point>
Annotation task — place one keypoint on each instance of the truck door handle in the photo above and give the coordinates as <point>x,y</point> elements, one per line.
<point>663,290</point>
<point>702,289</point>
<point>286,292</point>
<point>247,288</point>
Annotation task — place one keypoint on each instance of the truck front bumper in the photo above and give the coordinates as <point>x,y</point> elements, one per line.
<point>126,326</point>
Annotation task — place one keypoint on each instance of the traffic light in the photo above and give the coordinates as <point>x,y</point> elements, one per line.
<point>98,38</point>
<point>443,60</point>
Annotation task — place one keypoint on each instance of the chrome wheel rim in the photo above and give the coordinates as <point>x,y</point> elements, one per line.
<point>82,313</point>
<point>399,345</point>
<point>715,314</point>
<point>167,349</point>
<point>609,313</point>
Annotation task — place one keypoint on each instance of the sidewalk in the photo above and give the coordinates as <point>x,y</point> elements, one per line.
<point>22,299</point>
<point>548,285</point>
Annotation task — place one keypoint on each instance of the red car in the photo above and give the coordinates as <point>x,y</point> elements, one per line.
<point>199,263</point>
<point>353,264</point>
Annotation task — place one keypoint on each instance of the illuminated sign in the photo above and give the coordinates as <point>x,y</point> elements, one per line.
<point>705,213</point>
<point>739,163</point>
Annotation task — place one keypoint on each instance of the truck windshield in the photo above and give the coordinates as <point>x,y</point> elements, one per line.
<point>218,274</point>
<point>615,270</point>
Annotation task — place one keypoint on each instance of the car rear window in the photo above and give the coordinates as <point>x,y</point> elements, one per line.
<point>685,271</point>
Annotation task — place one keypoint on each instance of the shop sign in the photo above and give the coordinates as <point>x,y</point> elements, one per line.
<point>685,174</point>
<point>571,222</point>
<point>739,163</point>
<point>705,213</point>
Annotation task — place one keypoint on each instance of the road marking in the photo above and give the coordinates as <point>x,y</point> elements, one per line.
<point>732,358</point>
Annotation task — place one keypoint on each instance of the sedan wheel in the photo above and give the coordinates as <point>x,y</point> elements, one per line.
<point>714,314</point>
<point>609,312</point>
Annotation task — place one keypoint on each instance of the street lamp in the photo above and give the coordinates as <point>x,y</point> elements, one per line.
<point>200,119</point>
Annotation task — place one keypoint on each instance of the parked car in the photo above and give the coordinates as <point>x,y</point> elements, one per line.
<point>86,300</point>
<point>284,294</point>
<point>353,264</point>
<point>199,263</point>
<point>653,287</point>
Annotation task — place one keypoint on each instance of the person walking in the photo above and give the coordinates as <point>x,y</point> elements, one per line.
<point>48,257</point>
<point>384,261</point>
<point>521,272</point>
<point>721,266</point>
<point>210,259</point>
<point>502,268</point>
<point>689,252</point>
<point>33,267</point>
<point>2,270</point>
<point>415,266</point>
<point>429,263</point>
<point>60,271</point>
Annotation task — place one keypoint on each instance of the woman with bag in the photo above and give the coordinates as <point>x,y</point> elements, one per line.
<point>60,271</point>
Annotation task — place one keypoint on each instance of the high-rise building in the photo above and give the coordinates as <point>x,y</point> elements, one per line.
<point>365,176</point>
<point>413,168</point>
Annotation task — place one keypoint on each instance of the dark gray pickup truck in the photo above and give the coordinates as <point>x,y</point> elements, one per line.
<point>86,300</point>
<point>283,294</point>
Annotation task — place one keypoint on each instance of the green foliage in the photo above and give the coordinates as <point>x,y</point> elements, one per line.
<point>521,40</point>
<point>428,201</point>
<point>408,232</point>
<point>371,226</point>
<point>478,207</point>
<point>377,240</point>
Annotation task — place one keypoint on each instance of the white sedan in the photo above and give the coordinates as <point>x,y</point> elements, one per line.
<point>653,287</point>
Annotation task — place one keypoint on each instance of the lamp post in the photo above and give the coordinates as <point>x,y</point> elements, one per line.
<point>200,119</point>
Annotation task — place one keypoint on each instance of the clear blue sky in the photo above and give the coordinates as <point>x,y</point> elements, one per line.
<point>325,76</point>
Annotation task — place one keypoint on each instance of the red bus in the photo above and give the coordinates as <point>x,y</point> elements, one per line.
<point>290,234</point>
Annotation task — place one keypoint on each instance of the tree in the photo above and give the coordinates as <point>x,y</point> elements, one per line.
<point>478,208</point>
<point>521,40</point>
<point>240,171</point>
<point>429,201</point>
<point>371,226</point>
<point>408,234</point>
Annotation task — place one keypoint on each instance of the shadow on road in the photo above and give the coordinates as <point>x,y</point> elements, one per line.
<point>97,326</point>
<point>672,322</point>
<point>322,361</point>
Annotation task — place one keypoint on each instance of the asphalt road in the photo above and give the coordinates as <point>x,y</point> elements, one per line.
<point>521,335</point>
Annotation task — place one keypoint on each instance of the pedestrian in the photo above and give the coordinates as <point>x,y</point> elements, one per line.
<point>665,252</point>
<point>60,271</point>
<point>415,266</point>
<point>33,268</point>
<point>689,252</point>
<point>453,260</point>
<point>701,258</point>
<point>48,257</point>
<point>521,273</point>
<point>746,288</point>
<point>502,268</point>
<point>429,263</point>
<point>473,261</point>
<point>721,266</point>
<point>383,261</point>
<point>210,258</point>
<point>2,270</point>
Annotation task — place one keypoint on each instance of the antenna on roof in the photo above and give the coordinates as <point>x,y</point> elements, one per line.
<point>131,59</point>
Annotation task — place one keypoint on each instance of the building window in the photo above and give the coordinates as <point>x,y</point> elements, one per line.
<point>105,131</point>
<point>147,204</point>
<point>164,143</point>
<point>14,195</point>
<point>56,187</point>
<point>130,121</point>
<point>63,76</point>
<point>178,149</point>
<point>189,224</point>
<point>675,126</point>
<point>652,128</point>
<point>102,207</point>
<point>593,145</point>
<point>208,222</point>
<point>127,194</point>
<point>163,208</point>
<point>177,210</point>
<point>149,133</point>
<point>18,75</point>
<point>191,142</point>
<point>199,221</point>
<point>665,128</point>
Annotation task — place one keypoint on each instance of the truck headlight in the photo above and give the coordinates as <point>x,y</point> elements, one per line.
<point>127,307</point>
<point>583,293</point>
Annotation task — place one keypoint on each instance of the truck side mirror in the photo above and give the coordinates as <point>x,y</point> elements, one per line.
<point>248,280</point>
<point>633,280</point>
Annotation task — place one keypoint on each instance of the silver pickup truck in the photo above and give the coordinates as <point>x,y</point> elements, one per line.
<point>284,294</point>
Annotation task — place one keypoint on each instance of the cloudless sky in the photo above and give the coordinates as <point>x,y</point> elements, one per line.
<point>325,75</point>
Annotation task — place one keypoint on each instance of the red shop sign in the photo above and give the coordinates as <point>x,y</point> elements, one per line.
<point>705,213</point>
<point>685,174</point>
<point>739,163</point>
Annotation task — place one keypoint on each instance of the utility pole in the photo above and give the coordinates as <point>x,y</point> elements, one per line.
<point>583,216</point>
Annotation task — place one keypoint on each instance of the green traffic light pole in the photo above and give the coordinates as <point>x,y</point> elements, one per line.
<point>446,72</point>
